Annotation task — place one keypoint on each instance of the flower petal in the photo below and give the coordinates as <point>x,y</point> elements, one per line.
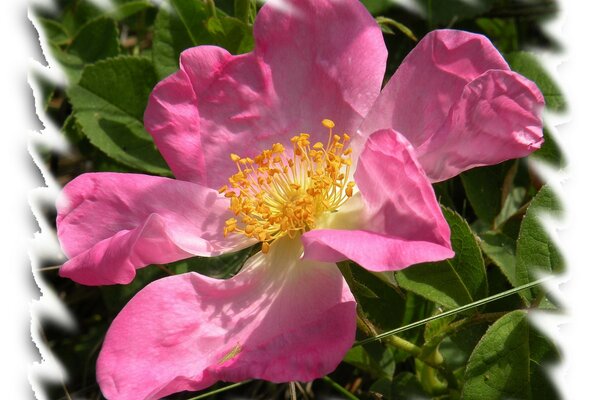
<point>497,118</point>
<point>280,319</point>
<point>309,64</point>
<point>445,75</point>
<point>110,224</point>
<point>416,100</point>
<point>402,223</point>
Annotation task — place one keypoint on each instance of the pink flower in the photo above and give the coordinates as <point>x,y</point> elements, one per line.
<point>288,315</point>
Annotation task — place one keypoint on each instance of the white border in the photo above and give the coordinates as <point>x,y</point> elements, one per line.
<point>580,240</point>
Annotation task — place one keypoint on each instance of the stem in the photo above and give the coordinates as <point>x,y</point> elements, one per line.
<point>432,362</point>
<point>339,388</point>
<point>404,345</point>
<point>220,390</point>
<point>454,311</point>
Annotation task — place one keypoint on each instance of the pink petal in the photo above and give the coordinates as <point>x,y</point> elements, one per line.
<point>444,68</point>
<point>280,319</point>
<point>497,118</point>
<point>402,222</point>
<point>416,100</point>
<point>109,224</point>
<point>309,64</point>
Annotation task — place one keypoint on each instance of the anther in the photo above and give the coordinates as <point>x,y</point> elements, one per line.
<point>327,123</point>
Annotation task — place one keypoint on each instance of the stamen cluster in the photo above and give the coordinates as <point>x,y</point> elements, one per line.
<point>281,192</point>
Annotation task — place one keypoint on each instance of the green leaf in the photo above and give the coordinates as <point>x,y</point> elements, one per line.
<point>109,103</point>
<point>513,202</point>
<point>528,65</point>
<point>535,250</point>
<point>437,327</point>
<point>454,282</point>
<point>172,35</point>
<point>231,34</point>
<point>371,293</point>
<point>54,32</point>
<point>457,347</point>
<point>78,13</point>
<point>483,187</point>
<point>499,365</point>
<point>97,40</point>
<point>374,358</point>
<point>190,23</point>
<point>221,267</point>
<point>501,250</point>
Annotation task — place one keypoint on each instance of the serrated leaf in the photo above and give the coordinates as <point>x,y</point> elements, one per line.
<point>97,40</point>
<point>535,249</point>
<point>499,365</point>
<point>528,65</point>
<point>454,282</point>
<point>109,102</point>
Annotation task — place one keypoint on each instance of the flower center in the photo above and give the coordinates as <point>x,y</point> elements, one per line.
<point>282,192</point>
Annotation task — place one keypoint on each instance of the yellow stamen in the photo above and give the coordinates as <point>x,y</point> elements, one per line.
<point>283,192</point>
<point>265,247</point>
<point>327,123</point>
